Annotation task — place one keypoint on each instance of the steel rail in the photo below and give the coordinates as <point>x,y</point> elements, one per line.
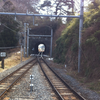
<point>16,71</point>
<point>77,94</point>
<point>15,81</point>
<point>60,97</point>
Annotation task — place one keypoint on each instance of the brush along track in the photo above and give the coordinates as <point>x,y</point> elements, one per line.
<point>7,82</point>
<point>63,91</point>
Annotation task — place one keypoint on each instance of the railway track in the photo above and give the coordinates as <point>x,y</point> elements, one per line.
<point>62,90</point>
<point>7,82</point>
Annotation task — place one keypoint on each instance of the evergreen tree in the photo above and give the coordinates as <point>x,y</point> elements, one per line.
<point>8,31</point>
<point>94,5</point>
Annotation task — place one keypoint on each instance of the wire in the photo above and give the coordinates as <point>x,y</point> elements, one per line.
<point>9,28</point>
<point>9,47</point>
<point>10,15</point>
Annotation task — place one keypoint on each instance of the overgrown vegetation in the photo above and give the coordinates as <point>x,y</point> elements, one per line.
<point>66,50</point>
<point>8,31</point>
<point>44,28</point>
<point>69,38</point>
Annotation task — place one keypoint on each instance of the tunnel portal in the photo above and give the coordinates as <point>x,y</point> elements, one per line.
<point>35,41</point>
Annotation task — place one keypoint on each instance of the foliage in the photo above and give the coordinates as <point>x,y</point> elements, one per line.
<point>8,6</point>
<point>9,31</point>
<point>46,3</point>
<point>94,40</point>
<point>94,5</point>
<point>44,27</point>
<point>91,17</point>
<point>20,6</point>
<point>57,7</point>
<point>67,44</point>
<point>68,39</point>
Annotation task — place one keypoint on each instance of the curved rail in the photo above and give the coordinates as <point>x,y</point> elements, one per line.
<point>60,97</point>
<point>81,97</point>
<point>15,80</point>
<point>73,91</point>
<point>15,71</point>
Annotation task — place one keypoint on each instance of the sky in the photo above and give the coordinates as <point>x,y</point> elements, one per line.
<point>77,5</point>
<point>77,8</point>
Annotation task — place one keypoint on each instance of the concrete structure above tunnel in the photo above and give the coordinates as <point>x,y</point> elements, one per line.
<point>35,41</point>
<point>40,35</point>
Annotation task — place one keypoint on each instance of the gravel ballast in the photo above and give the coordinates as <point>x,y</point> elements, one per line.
<point>21,91</point>
<point>8,71</point>
<point>41,90</point>
<point>86,93</point>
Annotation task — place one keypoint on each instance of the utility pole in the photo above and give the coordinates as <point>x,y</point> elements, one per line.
<point>51,43</point>
<point>80,33</point>
<point>24,39</point>
<point>21,53</point>
<point>27,41</point>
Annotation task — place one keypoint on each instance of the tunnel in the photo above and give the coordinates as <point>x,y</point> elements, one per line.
<point>36,48</point>
<point>34,42</point>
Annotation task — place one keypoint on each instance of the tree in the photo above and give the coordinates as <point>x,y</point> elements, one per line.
<point>8,31</point>
<point>8,6</point>
<point>19,5</point>
<point>58,7</point>
<point>94,5</point>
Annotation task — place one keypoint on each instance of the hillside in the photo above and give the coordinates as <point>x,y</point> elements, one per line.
<point>17,5</point>
<point>66,47</point>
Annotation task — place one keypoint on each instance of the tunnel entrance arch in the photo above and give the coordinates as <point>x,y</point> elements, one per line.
<point>34,42</point>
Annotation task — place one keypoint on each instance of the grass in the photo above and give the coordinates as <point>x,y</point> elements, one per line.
<point>95,86</point>
<point>92,84</point>
<point>11,61</point>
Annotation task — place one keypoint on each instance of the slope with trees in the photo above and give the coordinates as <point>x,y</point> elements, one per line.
<point>9,28</point>
<point>8,31</point>
<point>66,50</point>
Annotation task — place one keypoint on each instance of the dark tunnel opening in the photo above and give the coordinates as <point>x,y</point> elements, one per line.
<point>36,48</point>
<point>33,46</point>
